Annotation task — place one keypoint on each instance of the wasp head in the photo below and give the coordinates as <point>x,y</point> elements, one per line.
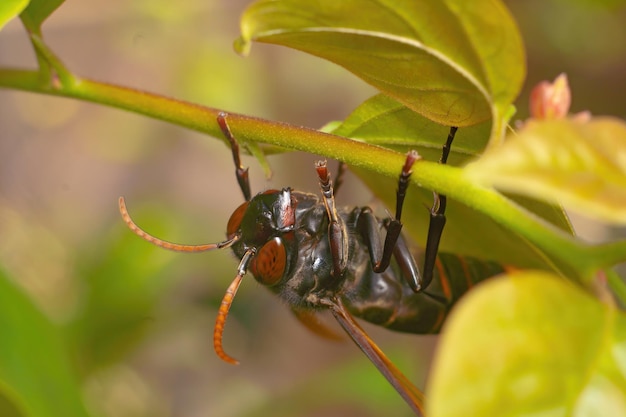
<point>266,215</point>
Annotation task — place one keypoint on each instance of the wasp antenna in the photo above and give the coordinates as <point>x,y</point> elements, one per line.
<point>227,301</point>
<point>222,315</point>
<point>169,245</point>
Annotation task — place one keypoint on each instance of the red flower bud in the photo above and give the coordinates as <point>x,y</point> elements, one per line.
<point>551,100</point>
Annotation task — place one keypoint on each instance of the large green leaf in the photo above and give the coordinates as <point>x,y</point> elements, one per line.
<point>530,344</point>
<point>37,12</point>
<point>10,9</point>
<point>581,165</point>
<point>36,377</point>
<point>455,62</point>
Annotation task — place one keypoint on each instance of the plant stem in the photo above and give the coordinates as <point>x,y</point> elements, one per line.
<point>559,246</point>
<point>51,68</point>
<point>203,119</point>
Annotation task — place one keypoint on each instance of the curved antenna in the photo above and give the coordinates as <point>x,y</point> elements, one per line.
<point>169,245</point>
<point>227,301</point>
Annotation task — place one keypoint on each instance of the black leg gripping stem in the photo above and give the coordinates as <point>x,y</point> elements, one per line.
<point>240,171</point>
<point>437,220</point>
<point>395,225</point>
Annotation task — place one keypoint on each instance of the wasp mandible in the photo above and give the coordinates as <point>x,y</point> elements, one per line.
<point>316,256</point>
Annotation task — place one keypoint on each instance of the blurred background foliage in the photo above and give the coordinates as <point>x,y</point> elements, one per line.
<point>136,321</point>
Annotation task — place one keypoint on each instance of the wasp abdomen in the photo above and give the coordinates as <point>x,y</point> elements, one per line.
<point>385,299</point>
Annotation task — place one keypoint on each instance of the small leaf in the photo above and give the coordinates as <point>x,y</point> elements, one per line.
<point>530,344</point>
<point>37,12</point>
<point>455,62</point>
<point>35,371</point>
<point>10,9</point>
<point>579,165</point>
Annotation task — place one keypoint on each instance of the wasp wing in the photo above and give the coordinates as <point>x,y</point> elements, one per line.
<point>411,394</point>
<point>312,322</point>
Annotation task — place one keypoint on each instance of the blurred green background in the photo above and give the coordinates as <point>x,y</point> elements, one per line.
<point>135,322</point>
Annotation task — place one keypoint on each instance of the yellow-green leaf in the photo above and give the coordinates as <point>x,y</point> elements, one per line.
<point>37,12</point>
<point>530,344</point>
<point>580,165</point>
<point>10,9</point>
<point>454,62</point>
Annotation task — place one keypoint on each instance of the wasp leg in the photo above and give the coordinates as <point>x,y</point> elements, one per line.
<point>240,171</point>
<point>369,228</point>
<point>337,234</point>
<point>394,244</point>
<point>437,220</point>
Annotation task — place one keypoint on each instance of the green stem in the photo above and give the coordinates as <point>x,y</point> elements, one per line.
<point>52,69</point>
<point>617,285</point>
<point>558,245</point>
<point>203,119</point>
<point>610,254</point>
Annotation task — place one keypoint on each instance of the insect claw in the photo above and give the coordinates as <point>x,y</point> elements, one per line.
<point>411,157</point>
<point>322,172</point>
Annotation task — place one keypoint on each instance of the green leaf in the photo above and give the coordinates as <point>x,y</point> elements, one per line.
<point>530,344</point>
<point>9,9</point>
<point>580,165</point>
<point>455,62</point>
<point>35,373</point>
<point>37,12</point>
<point>383,121</point>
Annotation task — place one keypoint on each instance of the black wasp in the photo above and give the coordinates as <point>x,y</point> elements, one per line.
<point>315,257</point>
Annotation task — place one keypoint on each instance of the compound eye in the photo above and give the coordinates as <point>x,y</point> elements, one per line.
<point>268,266</point>
<point>234,223</point>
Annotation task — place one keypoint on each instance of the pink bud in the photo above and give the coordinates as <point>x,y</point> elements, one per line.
<point>551,100</point>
